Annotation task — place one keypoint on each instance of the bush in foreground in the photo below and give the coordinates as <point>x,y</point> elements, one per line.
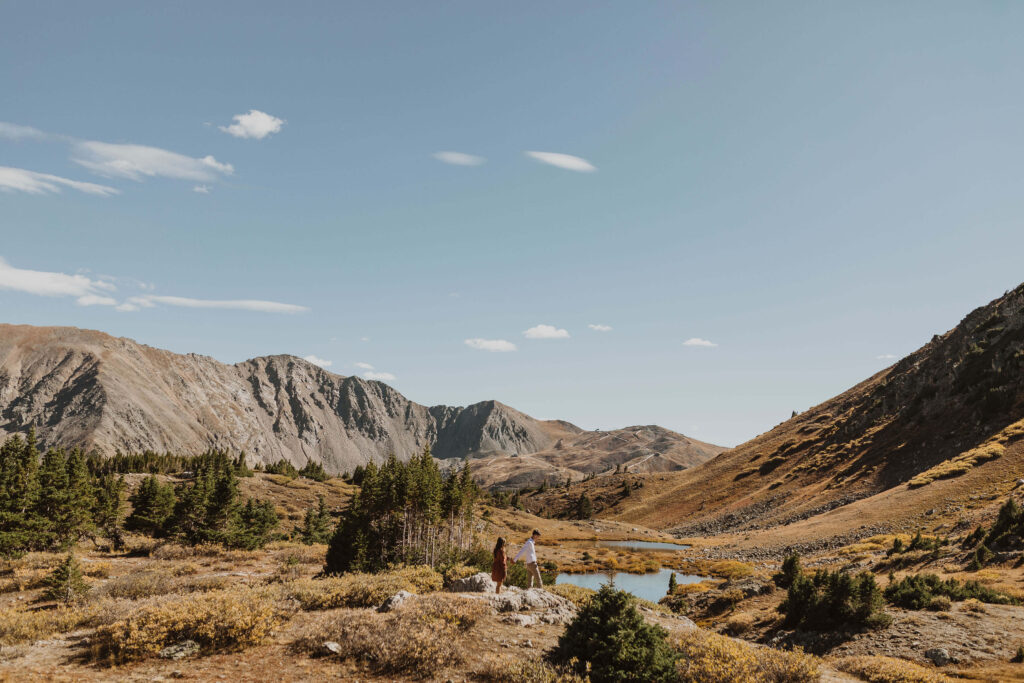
<point>220,620</point>
<point>609,636</point>
<point>711,658</point>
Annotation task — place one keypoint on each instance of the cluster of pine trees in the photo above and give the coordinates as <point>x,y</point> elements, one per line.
<point>52,501</point>
<point>405,513</point>
<point>208,509</point>
<point>158,463</point>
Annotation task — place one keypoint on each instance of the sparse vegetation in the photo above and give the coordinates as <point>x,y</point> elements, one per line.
<point>362,590</point>
<point>928,591</point>
<point>710,658</point>
<point>959,465</point>
<point>876,669</point>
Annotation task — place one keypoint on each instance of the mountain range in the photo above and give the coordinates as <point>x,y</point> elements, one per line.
<point>83,388</point>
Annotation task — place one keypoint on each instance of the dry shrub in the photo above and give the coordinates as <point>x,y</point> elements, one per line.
<point>185,569</point>
<point>577,595</point>
<point>458,571</point>
<point>711,658</point>
<point>298,553</point>
<point>418,639</point>
<point>174,551</point>
<point>888,670</point>
<point>23,579</point>
<point>727,569</point>
<point>19,626</point>
<point>512,670</point>
<point>362,590</point>
<point>973,605</point>
<point>738,624</point>
<point>961,464</point>
<point>230,619</point>
<point>138,585</point>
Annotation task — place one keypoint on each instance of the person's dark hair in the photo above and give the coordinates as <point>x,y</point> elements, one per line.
<point>535,533</point>
<point>499,545</point>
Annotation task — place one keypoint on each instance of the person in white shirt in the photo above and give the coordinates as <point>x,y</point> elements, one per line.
<point>529,553</point>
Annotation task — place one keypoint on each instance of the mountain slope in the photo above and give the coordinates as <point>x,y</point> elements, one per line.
<point>962,390</point>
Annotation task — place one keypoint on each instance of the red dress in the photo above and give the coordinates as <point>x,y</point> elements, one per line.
<point>499,566</point>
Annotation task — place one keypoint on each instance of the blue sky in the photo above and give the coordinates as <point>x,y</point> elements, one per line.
<point>813,188</point>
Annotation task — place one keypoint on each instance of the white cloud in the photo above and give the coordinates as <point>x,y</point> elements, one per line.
<point>201,189</point>
<point>254,125</point>
<point>600,328</point>
<point>546,332</point>
<point>21,180</point>
<point>13,131</point>
<point>363,366</point>
<point>379,376</point>
<point>136,162</point>
<point>566,161</point>
<point>459,158</point>
<point>495,345</point>
<point>87,292</point>
<point>365,339</point>
<point>317,361</point>
<point>886,356</point>
<point>149,300</point>
<point>697,341</point>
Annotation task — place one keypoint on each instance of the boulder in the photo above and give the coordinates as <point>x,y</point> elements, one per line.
<point>939,656</point>
<point>185,648</point>
<point>332,647</point>
<point>478,583</point>
<point>394,601</point>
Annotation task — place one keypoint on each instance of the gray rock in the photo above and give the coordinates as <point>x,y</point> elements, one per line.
<point>394,601</point>
<point>938,655</point>
<point>478,583</point>
<point>332,647</point>
<point>185,648</point>
<point>519,619</point>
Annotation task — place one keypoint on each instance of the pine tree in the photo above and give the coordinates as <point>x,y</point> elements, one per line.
<point>315,471</point>
<point>672,583</point>
<point>252,525</point>
<point>52,501</point>
<point>584,508</point>
<point>108,514</point>
<point>19,464</point>
<point>80,500</point>
<point>152,506</point>
<point>65,584</point>
<point>316,527</point>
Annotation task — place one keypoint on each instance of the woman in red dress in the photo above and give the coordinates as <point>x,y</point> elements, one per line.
<point>500,565</point>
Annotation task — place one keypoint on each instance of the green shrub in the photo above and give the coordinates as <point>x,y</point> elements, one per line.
<point>920,591</point>
<point>834,600</point>
<point>789,572</point>
<point>315,471</point>
<point>65,584</point>
<point>609,636</point>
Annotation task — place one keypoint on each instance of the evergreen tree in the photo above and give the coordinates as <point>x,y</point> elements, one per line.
<point>584,508</point>
<point>672,583</point>
<point>315,471</point>
<point>19,489</point>
<point>316,527</point>
<point>253,525</point>
<point>108,514</point>
<point>65,584</point>
<point>80,501</point>
<point>52,501</point>
<point>610,638</point>
<point>152,506</point>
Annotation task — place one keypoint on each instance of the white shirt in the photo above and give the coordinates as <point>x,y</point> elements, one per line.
<point>528,552</point>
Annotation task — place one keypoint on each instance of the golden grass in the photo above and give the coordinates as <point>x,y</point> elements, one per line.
<point>711,658</point>
<point>876,669</point>
<point>231,619</point>
<point>577,595</point>
<point>738,624</point>
<point>418,639</point>
<point>961,464</point>
<point>726,569</point>
<point>19,626</point>
<point>362,590</point>
<point>512,670</point>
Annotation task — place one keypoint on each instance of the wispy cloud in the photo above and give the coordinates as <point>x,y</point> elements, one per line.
<point>459,158</point>
<point>545,332</point>
<point>255,125</point>
<point>600,328</point>
<point>886,356</point>
<point>697,341</point>
<point>150,300</point>
<point>137,162</point>
<point>566,161</point>
<point>316,360</point>
<point>379,376</point>
<point>86,291</point>
<point>363,366</point>
<point>13,131</point>
<point>22,180</point>
<point>494,345</point>
<point>201,189</point>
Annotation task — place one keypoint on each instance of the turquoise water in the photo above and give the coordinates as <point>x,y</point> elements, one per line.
<point>651,587</point>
